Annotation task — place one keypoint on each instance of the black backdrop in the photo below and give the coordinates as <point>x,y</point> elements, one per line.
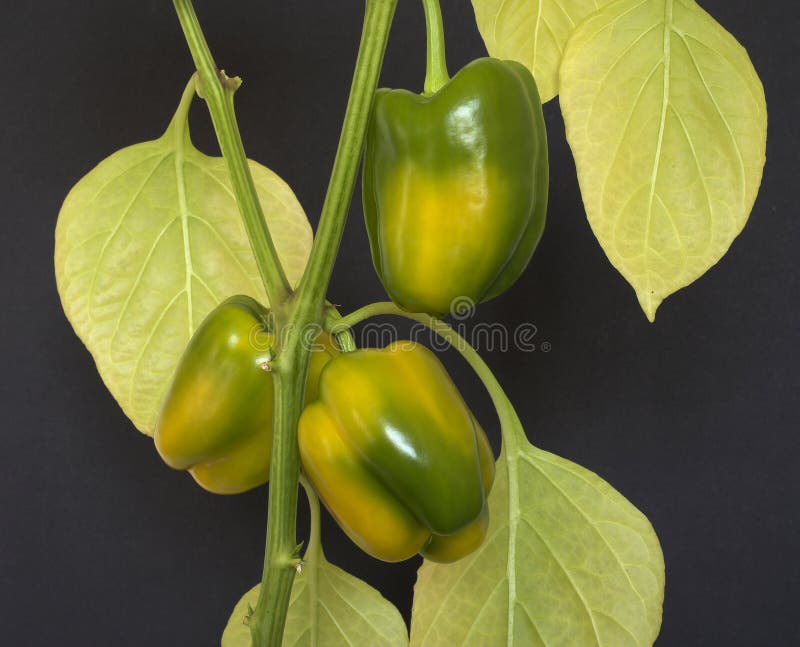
<point>694,418</point>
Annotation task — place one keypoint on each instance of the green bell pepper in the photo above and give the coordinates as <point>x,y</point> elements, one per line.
<point>216,420</point>
<point>455,186</point>
<point>396,455</point>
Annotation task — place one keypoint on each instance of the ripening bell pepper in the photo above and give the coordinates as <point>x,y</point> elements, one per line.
<point>216,420</point>
<point>396,455</point>
<point>455,186</point>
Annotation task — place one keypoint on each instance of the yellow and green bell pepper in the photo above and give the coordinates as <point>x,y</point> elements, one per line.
<point>396,455</point>
<point>216,420</point>
<point>455,186</point>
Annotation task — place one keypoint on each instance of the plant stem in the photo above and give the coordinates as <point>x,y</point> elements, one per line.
<point>218,90</point>
<point>329,323</point>
<point>377,20</point>
<point>303,309</point>
<point>509,421</point>
<point>291,365</point>
<point>281,554</point>
<point>436,62</point>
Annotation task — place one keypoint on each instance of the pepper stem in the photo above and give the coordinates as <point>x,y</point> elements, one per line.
<point>436,64</point>
<point>343,337</point>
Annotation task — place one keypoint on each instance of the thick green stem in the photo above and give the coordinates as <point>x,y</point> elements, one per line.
<point>281,555</point>
<point>218,90</point>
<point>306,310</point>
<point>509,421</point>
<point>302,310</point>
<point>377,20</point>
<point>436,62</point>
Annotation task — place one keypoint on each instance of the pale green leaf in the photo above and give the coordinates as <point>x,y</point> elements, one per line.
<point>667,121</point>
<point>147,244</point>
<point>532,32</point>
<point>328,608</point>
<point>567,562</point>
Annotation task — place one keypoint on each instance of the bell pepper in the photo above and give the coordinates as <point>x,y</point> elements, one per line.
<point>216,420</point>
<point>396,455</point>
<point>455,186</point>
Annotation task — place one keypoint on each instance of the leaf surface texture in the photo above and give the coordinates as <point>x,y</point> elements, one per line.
<point>147,244</point>
<point>533,32</point>
<point>567,562</point>
<point>667,122</point>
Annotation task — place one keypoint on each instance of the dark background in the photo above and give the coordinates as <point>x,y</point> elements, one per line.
<point>694,419</point>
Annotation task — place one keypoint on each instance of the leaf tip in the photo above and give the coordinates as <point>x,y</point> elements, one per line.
<point>649,303</point>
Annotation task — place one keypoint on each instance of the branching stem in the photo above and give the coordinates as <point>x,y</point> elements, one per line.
<point>300,313</point>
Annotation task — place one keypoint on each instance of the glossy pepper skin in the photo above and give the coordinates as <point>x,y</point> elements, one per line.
<point>455,186</point>
<point>396,455</point>
<point>216,420</point>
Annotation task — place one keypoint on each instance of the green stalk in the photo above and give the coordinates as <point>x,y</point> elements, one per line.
<point>291,365</point>
<point>302,310</point>
<point>377,20</point>
<point>329,324</point>
<point>436,62</point>
<point>218,90</point>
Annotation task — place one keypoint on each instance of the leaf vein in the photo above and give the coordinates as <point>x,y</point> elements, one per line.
<point>624,132</point>
<point>149,340</point>
<point>566,572</point>
<point>226,246</point>
<point>722,117</point>
<point>706,191</point>
<point>591,523</point>
<point>346,601</point>
<point>122,217</point>
<point>137,280</point>
<point>474,624</point>
<point>465,568</point>
<point>333,619</point>
<point>527,612</point>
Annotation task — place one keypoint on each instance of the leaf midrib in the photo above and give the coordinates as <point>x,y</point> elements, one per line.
<point>659,142</point>
<point>183,210</point>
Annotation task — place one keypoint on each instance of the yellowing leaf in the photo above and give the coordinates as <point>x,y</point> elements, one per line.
<point>667,121</point>
<point>567,562</point>
<point>147,244</point>
<point>328,608</point>
<point>532,32</point>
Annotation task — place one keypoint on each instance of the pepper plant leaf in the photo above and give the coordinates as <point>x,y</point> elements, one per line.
<point>328,608</point>
<point>567,561</point>
<point>667,122</point>
<point>533,32</point>
<point>147,244</point>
